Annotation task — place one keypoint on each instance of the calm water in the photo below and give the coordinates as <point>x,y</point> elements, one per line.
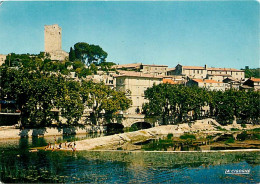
<point>18,165</point>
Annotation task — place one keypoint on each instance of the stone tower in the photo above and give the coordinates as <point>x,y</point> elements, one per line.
<point>52,38</point>
<point>52,42</point>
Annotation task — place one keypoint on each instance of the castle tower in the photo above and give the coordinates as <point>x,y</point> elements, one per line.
<point>52,38</point>
<point>52,42</point>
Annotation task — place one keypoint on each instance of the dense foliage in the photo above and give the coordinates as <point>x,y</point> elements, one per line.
<point>255,72</point>
<point>41,87</point>
<point>173,102</point>
<point>87,53</point>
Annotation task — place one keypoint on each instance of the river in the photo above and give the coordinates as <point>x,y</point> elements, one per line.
<point>18,165</point>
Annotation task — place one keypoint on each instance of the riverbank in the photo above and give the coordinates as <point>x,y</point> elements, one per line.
<point>125,140</point>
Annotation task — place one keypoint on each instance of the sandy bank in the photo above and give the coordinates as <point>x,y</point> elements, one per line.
<point>122,140</point>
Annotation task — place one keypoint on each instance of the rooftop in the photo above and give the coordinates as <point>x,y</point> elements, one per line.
<point>123,73</point>
<point>169,81</point>
<point>225,69</point>
<point>205,81</point>
<point>155,65</point>
<point>133,65</point>
<point>255,79</point>
<point>193,67</point>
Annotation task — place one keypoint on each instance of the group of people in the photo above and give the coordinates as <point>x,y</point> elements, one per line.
<point>65,145</point>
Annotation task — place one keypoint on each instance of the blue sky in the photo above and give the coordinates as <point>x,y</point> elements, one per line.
<point>217,33</point>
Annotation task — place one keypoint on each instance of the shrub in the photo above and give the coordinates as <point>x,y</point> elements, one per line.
<point>188,136</point>
<point>234,129</point>
<point>220,128</point>
<point>169,136</point>
<point>230,140</point>
<point>243,125</point>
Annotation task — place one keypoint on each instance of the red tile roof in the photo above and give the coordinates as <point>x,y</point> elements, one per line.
<point>205,81</point>
<point>169,81</point>
<point>136,74</point>
<point>156,65</point>
<point>225,69</point>
<point>134,65</point>
<point>255,79</point>
<point>193,67</point>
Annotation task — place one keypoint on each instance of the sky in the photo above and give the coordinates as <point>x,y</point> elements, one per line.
<point>192,33</point>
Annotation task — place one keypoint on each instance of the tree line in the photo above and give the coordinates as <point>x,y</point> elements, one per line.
<point>173,102</point>
<point>37,93</point>
<point>40,86</point>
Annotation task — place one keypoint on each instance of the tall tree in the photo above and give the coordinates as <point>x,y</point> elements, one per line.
<point>72,55</point>
<point>89,53</point>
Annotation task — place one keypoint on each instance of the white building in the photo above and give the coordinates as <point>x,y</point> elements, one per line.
<point>134,84</point>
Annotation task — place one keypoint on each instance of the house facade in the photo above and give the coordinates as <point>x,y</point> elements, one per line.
<point>2,59</point>
<point>198,72</point>
<point>134,84</point>
<point>208,84</point>
<point>231,72</point>
<point>154,69</point>
<point>193,72</point>
<point>252,83</point>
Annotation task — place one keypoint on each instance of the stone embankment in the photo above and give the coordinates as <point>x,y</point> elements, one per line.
<point>10,132</point>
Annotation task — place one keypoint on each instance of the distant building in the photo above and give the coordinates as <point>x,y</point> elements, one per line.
<point>252,83</point>
<point>208,84</point>
<point>193,72</point>
<point>53,42</point>
<point>2,59</point>
<point>134,84</point>
<point>171,71</point>
<point>154,69</point>
<point>144,68</point>
<point>134,66</point>
<point>235,73</point>
<point>198,72</point>
<point>169,81</point>
<point>233,83</point>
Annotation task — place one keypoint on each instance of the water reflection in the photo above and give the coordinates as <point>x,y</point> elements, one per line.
<point>18,165</point>
<point>125,167</point>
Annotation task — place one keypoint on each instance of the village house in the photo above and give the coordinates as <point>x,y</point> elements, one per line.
<point>194,72</point>
<point>145,68</point>
<point>218,77</point>
<point>231,72</point>
<point>208,84</point>
<point>2,59</point>
<point>134,84</point>
<point>129,67</point>
<point>233,83</point>
<point>198,72</point>
<point>154,69</point>
<point>252,83</point>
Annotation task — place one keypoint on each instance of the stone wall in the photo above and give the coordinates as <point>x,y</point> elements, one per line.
<point>12,133</point>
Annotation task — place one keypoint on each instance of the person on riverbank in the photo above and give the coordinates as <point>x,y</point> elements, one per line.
<point>60,146</point>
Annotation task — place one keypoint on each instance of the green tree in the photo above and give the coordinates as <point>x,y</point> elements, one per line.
<point>89,53</point>
<point>72,55</point>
